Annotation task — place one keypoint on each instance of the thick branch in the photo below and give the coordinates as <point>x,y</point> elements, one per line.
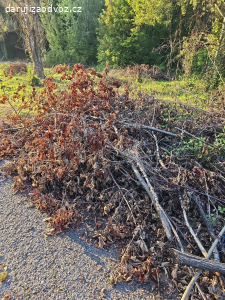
<point>149,127</point>
<point>195,137</point>
<point>194,279</point>
<point>201,263</point>
<point>139,126</point>
<point>154,199</point>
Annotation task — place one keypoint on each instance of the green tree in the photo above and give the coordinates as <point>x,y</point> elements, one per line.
<point>122,42</point>
<point>197,38</point>
<point>30,30</point>
<point>72,36</point>
<point>151,11</point>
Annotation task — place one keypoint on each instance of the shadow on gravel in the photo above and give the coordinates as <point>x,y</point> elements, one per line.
<point>56,267</point>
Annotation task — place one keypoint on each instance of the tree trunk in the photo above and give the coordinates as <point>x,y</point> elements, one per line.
<point>34,41</point>
<point>3,48</point>
<point>39,66</point>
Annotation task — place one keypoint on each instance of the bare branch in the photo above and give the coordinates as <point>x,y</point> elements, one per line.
<point>195,261</point>
<point>149,127</point>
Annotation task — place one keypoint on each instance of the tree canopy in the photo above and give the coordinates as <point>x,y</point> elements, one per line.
<point>183,35</point>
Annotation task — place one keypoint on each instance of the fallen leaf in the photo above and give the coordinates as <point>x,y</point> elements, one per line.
<point>3,276</point>
<point>142,245</point>
<point>6,296</point>
<point>160,244</point>
<point>174,272</point>
<point>98,267</point>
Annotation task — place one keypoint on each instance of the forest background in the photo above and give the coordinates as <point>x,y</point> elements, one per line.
<point>181,37</point>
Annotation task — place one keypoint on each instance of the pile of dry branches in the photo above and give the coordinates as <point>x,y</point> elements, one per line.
<point>91,156</point>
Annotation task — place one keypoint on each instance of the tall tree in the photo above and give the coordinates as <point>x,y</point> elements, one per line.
<point>122,42</point>
<point>72,35</point>
<point>6,25</point>
<point>30,29</point>
<point>204,33</point>
<point>150,11</point>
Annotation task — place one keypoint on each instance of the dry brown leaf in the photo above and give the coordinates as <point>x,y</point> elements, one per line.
<point>101,242</point>
<point>174,272</point>
<point>142,245</point>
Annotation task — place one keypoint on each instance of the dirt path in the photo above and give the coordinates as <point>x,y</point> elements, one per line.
<point>53,267</point>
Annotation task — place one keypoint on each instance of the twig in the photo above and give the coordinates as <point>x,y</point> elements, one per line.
<point>190,228</point>
<point>157,152</point>
<point>138,126</point>
<point>202,213</point>
<point>135,234</point>
<point>187,187</point>
<point>182,249</point>
<point>23,127</point>
<point>149,189</point>
<point>149,127</point>
<point>195,137</point>
<point>184,237</point>
<point>147,186</point>
<point>123,197</point>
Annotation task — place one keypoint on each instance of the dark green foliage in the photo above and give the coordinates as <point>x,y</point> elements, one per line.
<point>72,36</point>
<point>181,37</point>
<point>122,42</point>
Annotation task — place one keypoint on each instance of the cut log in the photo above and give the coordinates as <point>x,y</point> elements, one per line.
<point>201,263</point>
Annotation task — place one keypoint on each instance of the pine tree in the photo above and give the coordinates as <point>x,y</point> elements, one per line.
<point>72,36</point>
<point>122,42</point>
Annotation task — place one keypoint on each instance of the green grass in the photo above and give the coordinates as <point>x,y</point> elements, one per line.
<point>190,91</point>
<point>184,90</point>
<point>200,149</point>
<point>9,86</point>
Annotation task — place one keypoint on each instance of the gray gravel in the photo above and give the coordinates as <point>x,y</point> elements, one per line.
<point>53,267</point>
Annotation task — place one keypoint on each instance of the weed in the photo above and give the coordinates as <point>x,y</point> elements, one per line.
<point>192,146</point>
<point>213,218</point>
<point>221,209</point>
<point>36,81</point>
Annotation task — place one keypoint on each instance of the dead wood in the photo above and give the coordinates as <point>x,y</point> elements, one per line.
<point>201,263</point>
<point>139,126</point>
<point>90,155</point>
<point>149,189</point>
<point>132,158</point>
<point>202,213</point>
<point>195,277</point>
<point>149,128</point>
<point>190,228</point>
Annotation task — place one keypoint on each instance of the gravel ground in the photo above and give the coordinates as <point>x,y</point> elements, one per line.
<point>53,267</point>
